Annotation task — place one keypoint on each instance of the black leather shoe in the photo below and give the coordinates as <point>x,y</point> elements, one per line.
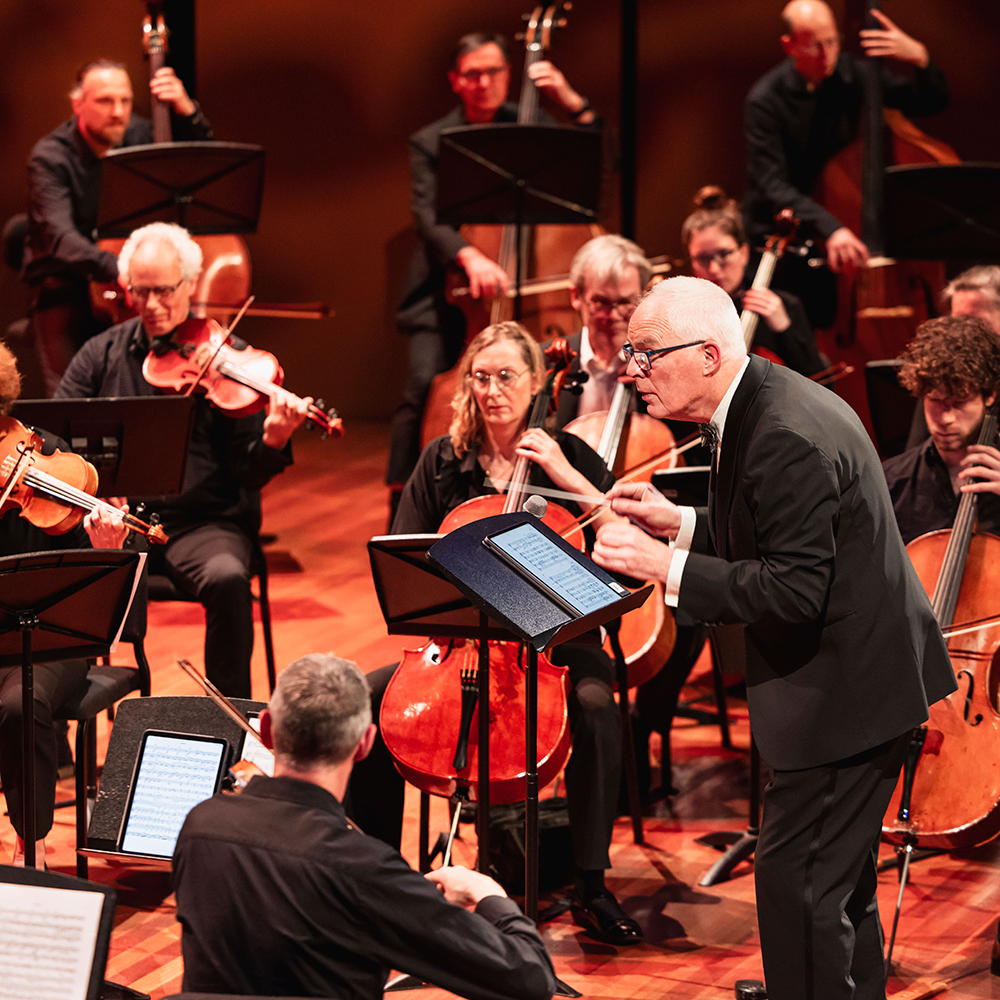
<point>602,918</point>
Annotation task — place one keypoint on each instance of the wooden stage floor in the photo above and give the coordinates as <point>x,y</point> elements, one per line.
<point>699,941</point>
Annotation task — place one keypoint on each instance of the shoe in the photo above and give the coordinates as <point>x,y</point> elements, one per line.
<point>602,918</point>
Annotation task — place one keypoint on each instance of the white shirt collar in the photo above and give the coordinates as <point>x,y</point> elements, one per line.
<point>722,410</point>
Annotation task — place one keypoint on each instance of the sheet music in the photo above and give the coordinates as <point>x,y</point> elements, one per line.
<point>255,751</point>
<point>131,598</point>
<point>47,941</point>
<point>175,774</point>
<point>557,569</point>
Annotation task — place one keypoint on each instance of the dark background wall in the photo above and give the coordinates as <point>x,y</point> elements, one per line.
<point>333,89</point>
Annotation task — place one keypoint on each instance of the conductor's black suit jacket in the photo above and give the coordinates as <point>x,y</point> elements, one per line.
<point>843,651</point>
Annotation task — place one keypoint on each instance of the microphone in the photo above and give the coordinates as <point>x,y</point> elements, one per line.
<point>536,505</point>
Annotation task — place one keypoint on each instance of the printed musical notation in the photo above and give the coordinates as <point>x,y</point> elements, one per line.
<point>174,775</point>
<point>47,941</point>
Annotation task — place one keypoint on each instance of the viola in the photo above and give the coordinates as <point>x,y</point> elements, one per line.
<point>53,492</point>
<point>430,704</point>
<point>954,799</point>
<point>199,357</point>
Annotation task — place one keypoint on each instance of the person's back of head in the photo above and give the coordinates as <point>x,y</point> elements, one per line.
<point>320,710</point>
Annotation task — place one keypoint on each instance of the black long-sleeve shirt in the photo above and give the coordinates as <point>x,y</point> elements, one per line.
<point>228,461</point>
<point>277,895</point>
<point>922,494</point>
<point>64,189</point>
<point>792,132</point>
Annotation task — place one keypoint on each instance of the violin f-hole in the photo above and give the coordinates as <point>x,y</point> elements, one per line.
<point>968,699</point>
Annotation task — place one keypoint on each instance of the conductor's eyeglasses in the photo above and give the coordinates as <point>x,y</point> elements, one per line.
<point>644,359</point>
<point>505,379</point>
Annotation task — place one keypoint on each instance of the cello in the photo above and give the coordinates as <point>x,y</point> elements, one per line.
<point>949,797</point>
<point>430,709</point>
<point>545,250</point>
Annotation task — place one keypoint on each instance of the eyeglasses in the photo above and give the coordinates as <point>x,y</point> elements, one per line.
<point>505,379</point>
<point>160,291</point>
<point>644,359</point>
<point>624,307</point>
<point>720,257</point>
<point>475,75</point>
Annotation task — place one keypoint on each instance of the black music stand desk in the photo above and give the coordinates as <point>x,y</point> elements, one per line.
<point>59,605</point>
<point>464,589</point>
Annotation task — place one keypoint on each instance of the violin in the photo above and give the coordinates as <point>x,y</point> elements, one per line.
<point>53,492</point>
<point>199,357</point>
<point>429,707</point>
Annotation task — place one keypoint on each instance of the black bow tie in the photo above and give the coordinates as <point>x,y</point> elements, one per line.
<point>709,436</point>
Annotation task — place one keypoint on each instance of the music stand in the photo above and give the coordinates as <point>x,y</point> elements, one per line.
<point>44,904</point>
<point>74,602</point>
<point>114,435</point>
<point>518,175</point>
<point>207,187</point>
<point>936,211</point>
<point>461,589</point>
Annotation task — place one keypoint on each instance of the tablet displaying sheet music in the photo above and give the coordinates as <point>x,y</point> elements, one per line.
<point>173,773</point>
<point>571,584</point>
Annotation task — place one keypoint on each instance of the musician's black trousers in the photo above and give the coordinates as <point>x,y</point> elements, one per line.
<point>52,683</point>
<point>375,794</point>
<point>814,868</point>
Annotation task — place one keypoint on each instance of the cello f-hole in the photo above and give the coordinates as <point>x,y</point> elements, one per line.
<point>968,698</point>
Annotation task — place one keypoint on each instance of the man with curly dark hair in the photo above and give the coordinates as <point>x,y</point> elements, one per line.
<point>952,366</point>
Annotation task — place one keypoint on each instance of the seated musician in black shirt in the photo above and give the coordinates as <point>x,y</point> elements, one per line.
<point>952,366</point>
<point>54,683</point>
<point>277,893</point>
<point>64,186</point>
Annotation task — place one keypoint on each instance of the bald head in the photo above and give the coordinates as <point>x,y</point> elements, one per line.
<point>811,39</point>
<point>699,319</point>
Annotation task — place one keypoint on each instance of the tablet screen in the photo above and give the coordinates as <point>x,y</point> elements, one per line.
<point>173,773</point>
<point>556,570</point>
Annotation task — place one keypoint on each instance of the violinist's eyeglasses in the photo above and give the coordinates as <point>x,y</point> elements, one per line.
<point>644,359</point>
<point>505,379</point>
<point>142,293</point>
<point>720,257</point>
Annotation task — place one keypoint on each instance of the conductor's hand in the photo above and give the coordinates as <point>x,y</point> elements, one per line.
<point>624,548</point>
<point>893,42</point>
<point>844,250</point>
<point>981,462</point>
<point>104,527</point>
<point>285,413</point>
<point>486,277</point>
<point>167,87</point>
<point>463,887</point>
<point>647,507</point>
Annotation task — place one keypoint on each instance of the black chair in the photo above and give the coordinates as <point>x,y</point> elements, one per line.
<point>162,588</point>
<point>103,687</point>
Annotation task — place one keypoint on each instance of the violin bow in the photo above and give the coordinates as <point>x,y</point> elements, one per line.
<point>220,699</point>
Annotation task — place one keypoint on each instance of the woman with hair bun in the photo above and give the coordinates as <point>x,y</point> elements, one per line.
<point>717,246</point>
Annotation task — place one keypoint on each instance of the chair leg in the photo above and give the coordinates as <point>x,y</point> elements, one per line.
<point>265,620</point>
<point>82,776</point>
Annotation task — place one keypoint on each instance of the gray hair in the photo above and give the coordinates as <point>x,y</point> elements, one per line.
<point>188,252</point>
<point>695,309</point>
<point>606,258</point>
<point>983,278</point>
<point>320,710</point>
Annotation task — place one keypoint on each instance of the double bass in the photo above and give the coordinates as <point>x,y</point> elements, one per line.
<point>879,307</point>
<point>545,250</point>
<point>949,797</point>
